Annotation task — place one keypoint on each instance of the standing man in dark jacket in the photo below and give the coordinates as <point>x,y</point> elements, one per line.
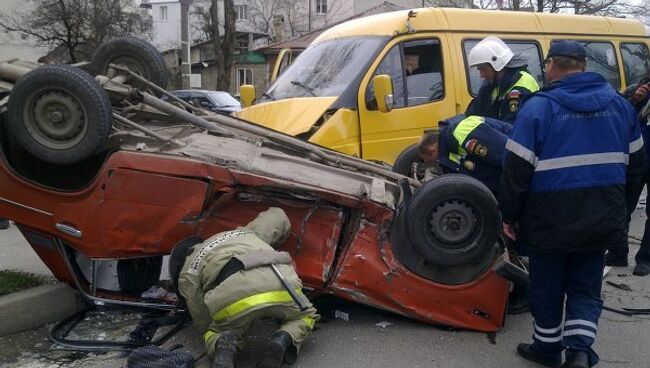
<point>506,81</point>
<point>574,158</point>
<point>638,94</point>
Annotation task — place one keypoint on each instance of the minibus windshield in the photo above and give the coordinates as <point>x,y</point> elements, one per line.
<point>325,69</point>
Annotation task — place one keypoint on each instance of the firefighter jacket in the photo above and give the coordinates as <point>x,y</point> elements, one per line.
<point>501,100</point>
<point>573,162</point>
<point>473,146</point>
<point>210,298</point>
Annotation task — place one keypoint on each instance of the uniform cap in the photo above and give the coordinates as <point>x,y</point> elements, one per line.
<point>567,48</point>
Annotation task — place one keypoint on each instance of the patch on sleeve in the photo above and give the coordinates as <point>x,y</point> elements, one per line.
<point>513,99</point>
<point>480,150</point>
<point>470,144</point>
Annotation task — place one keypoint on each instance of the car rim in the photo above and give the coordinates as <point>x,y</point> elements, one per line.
<point>55,118</point>
<point>453,222</point>
<point>133,64</point>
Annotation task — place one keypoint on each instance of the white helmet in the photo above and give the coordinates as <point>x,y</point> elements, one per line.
<point>490,50</point>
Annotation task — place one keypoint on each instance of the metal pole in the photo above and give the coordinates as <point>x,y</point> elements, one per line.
<point>186,63</point>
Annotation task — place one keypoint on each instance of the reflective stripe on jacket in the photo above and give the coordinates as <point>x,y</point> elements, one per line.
<point>474,146</point>
<point>503,100</point>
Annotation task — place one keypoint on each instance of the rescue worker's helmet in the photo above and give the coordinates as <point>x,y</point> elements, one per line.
<point>177,258</point>
<point>491,50</point>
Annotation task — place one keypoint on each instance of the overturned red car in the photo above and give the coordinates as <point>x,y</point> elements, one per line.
<point>102,176</point>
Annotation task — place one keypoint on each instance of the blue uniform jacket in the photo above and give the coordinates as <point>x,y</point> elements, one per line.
<point>574,158</point>
<point>474,146</point>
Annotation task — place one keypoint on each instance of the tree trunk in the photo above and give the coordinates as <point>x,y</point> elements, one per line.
<point>224,47</point>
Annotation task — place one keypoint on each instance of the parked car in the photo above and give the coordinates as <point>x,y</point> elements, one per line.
<point>216,101</point>
<point>98,170</point>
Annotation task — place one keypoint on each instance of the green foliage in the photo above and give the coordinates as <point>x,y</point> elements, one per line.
<point>12,281</point>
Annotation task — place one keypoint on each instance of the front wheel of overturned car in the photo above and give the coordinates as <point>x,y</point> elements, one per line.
<point>59,114</point>
<point>453,220</point>
<point>139,56</point>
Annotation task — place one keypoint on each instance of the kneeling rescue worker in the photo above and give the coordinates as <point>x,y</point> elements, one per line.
<point>236,277</point>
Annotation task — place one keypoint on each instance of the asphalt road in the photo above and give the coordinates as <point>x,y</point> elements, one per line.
<point>361,343</point>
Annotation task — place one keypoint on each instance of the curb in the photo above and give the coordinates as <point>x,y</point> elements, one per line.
<point>31,308</point>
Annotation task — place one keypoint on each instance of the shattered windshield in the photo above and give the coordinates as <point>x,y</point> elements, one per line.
<point>325,69</point>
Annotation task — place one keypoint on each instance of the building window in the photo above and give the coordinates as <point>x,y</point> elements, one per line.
<point>244,76</point>
<point>321,6</point>
<point>242,12</point>
<point>163,13</point>
<point>241,46</point>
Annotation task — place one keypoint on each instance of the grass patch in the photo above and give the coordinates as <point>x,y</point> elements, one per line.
<point>13,281</point>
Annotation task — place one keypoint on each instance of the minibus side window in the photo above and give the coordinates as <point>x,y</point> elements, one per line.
<point>527,51</point>
<point>601,59</point>
<point>416,70</point>
<point>635,62</point>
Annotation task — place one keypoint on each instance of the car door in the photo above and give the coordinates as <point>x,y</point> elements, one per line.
<point>421,96</point>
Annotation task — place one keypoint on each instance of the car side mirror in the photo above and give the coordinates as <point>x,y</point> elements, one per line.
<point>383,86</point>
<point>247,95</point>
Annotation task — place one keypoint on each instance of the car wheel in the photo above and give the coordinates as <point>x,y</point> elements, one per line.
<point>453,220</point>
<point>138,55</point>
<point>138,274</point>
<point>59,114</point>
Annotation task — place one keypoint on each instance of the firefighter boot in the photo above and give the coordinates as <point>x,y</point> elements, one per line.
<point>280,344</point>
<point>225,354</point>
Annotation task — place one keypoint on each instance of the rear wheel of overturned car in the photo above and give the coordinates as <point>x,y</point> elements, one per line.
<point>453,220</point>
<point>137,55</point>
<point>59,114</point>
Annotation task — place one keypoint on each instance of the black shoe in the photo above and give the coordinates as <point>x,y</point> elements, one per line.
<point>225,354</point>
<point>615,261</point>
<point>4,224</point>
<point>641,269</point>
<point>579,359</point>
<point>525,352</point>
<point>277,347</point>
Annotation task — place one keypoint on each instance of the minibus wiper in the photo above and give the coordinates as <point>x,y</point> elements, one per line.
<point>301,84</point>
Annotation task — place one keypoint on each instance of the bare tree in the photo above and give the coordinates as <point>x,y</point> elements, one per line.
<point>77,25</point>
<point>223,46</point>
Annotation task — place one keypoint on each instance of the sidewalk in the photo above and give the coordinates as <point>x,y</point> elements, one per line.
<point>17,254</point>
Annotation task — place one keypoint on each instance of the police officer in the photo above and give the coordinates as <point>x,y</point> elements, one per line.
<point>227,283</point>
<point>471,145</point>
<point>638,94</point>
<point>506,81</point>
<point>574,156</point>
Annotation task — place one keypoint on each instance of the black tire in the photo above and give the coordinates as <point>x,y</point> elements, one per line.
<point>453,220</point>
<point>138,55</point>
<point>138,274</point>
<point>404,162</point>
<point>59,114</point>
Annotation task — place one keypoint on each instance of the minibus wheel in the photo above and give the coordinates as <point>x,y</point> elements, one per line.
<point>404,162</point>
<point>453,220</point>
<point>59,114</point>
<point>138,55</point>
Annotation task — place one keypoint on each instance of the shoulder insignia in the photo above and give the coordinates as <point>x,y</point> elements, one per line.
<point>514,104</point>
<point>480,150</point>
